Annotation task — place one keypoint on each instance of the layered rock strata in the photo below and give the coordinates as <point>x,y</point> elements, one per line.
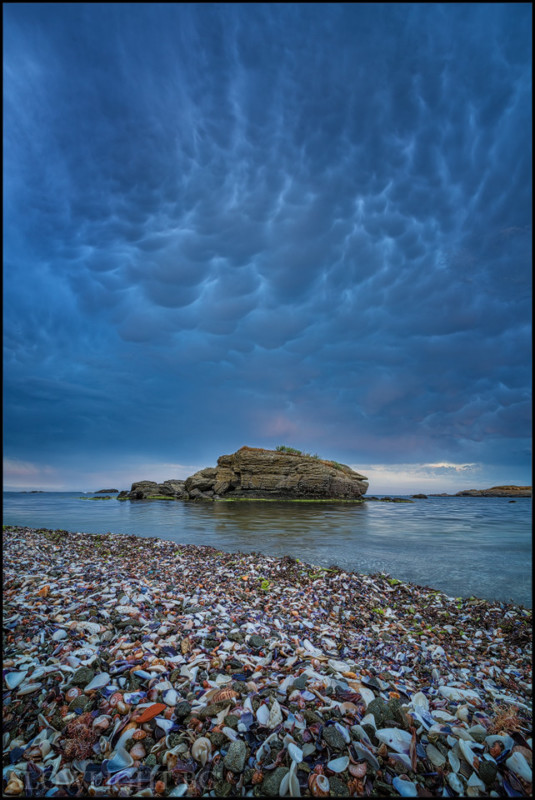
<point>254,473</point>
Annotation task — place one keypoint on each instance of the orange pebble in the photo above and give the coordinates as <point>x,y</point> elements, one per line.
<point>44,591</point>
<point>394,694</point>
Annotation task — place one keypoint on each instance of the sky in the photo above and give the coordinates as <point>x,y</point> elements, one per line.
<point>267,224</point>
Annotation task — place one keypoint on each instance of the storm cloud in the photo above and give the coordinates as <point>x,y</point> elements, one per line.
<point>268,224</point>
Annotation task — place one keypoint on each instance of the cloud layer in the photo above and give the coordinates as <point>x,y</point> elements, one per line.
<point>268,224</point>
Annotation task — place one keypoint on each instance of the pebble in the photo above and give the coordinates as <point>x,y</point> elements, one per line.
<point>191,678</point>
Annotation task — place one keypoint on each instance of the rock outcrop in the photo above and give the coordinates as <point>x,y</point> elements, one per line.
<point>254,473</point>
<point>148,490</point>
<point>107,491</point>
<point>497,491</point>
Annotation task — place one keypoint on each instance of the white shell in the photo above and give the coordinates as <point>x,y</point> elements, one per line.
<point>63,778</point>
<point>29,688</point>
<point>290,784</point>
<point>201,750</point>
<point>59,634</point>
<point>466,750</point>
<point>296,754</point>
<point>14,678</point>
<point>98,682</point>
<point>338,764</point>
<point>262,714</point>
<point>405,788</point>
<point>121,760</point>
<point>455,783</point>
<point>518,764</point>
<point>454,761</point>
<point>435,756</point>
<point>170,697</point>
<point>399,740</point>
<point>419,699</point>
<point>230,733</point>
<point>275,715</point>
<point>367,695</point>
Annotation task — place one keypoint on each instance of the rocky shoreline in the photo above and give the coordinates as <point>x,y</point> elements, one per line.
<point>140,666</point>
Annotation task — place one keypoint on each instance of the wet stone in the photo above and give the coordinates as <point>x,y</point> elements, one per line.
<point>211,710</point>
<point>236,755</point>
<point>300,683</point>
<point>257,642</point>
<point>487,772</point>
<point>338,787</point>
<point>82,676</point>
<point>231,721</point>
<point>311,717</point>
<point>150,760</point>
<point>79,702</point>
<point>334,738</point>
<point>272,781</point>
<point>380,711</point>
<point>182,710</point>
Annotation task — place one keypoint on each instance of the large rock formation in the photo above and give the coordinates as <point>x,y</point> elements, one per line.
<point>254,473</point>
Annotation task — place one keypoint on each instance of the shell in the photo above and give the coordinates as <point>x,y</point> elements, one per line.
<point>149,713</point>
<point>15,785</point>
<point>201,750</point>
<point>296,754</point>
<point>138,751</point>
<point>318,785</point>
<point>518,764</point>
<point>338,764</point>
<point>63,778</point>
<point>121,760</point>
<point>223,695</point>
<point>73,692</point>
<point>262,715</point>
<point>98,682</point>
<point>405,788</point>
<point>395,738</point>
<point>13,679</point>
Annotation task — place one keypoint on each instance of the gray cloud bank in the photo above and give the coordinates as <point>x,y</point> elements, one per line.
<point>229,224</point>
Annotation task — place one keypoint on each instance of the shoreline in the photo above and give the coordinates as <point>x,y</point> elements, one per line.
<point>330,656</point>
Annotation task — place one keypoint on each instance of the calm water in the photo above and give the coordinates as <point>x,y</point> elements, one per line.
<point>463,546</point>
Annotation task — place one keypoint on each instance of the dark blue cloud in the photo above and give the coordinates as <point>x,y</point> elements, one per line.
<point>228,225</point>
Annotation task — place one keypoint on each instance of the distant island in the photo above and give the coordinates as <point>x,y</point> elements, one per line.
<point>494,491</point>
<point>254,473</point>
<point>107,491</point>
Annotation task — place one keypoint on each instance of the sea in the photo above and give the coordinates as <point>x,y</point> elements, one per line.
<point>463,546</point>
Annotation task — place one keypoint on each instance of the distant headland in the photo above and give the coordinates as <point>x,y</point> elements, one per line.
<point>494,491</point>
<point>253,473</point>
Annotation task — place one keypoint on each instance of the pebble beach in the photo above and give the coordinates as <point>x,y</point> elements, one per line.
<point>139,667</point>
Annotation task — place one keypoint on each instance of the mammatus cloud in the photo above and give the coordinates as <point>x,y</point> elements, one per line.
<point>287,221</point>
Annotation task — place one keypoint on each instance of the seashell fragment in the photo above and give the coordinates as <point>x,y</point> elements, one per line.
<point>405,788</point>
<point>15,785</point>
<point>98,682</point>
<point>59,634</point>
<point>201,750</point>
<point>319,785</point>
<point>63,778</point>
<point>435,756</point>
<point>262,715</point>
<point>13,679</point>
<point>275,715</point>
<point>399,740</point>
<point>120,760</point>
<point>29,688</point>
<point>338,764</point>
<point>149,713</point>
<point>518,764</point>
<point>296,754</point>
